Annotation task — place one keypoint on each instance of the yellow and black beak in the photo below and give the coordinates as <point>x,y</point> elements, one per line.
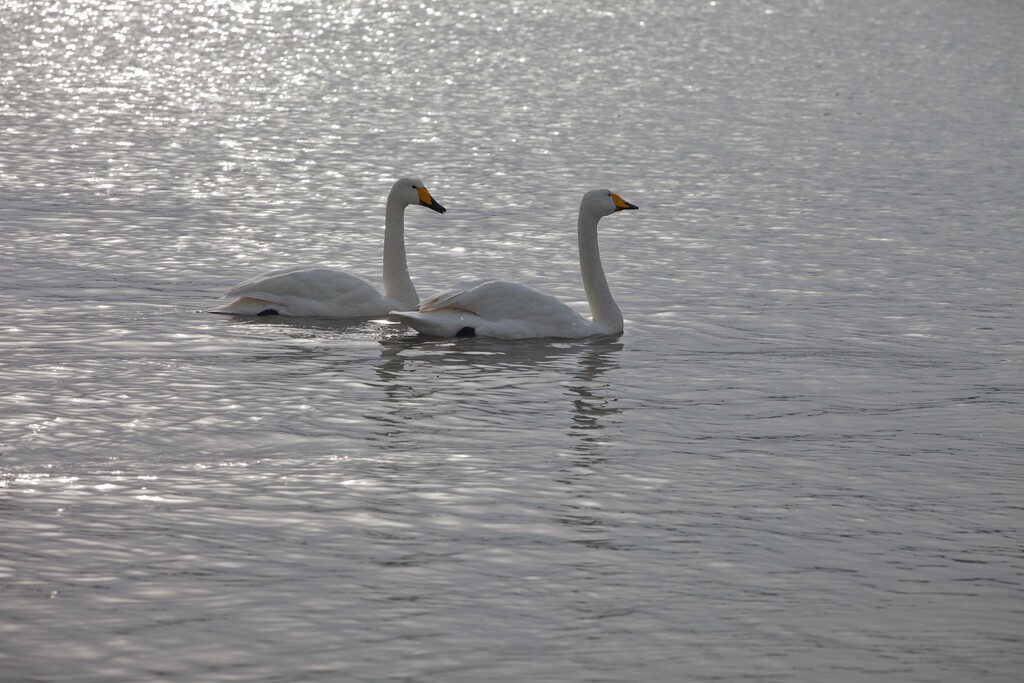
<point>621,204</point>
<point>428,201</point>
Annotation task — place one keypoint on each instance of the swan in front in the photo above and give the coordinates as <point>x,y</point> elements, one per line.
<point>510,310</point>
<point>318,291</point>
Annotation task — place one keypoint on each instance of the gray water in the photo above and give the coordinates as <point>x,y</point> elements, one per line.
<point>800,462</point>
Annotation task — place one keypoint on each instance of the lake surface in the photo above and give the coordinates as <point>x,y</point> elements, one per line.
<point>800,462</point>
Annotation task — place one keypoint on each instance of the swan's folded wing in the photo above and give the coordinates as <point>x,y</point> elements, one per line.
<point>437,300</point>
<point>496,308</point>
<point>307,282</point>
<point>254,283</point>
<point>496,300</point>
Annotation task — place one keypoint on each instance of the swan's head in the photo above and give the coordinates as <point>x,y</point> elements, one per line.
<point>411,191</point>
<point>604,203</point>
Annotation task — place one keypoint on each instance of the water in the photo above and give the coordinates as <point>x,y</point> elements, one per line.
<point>801,461</point>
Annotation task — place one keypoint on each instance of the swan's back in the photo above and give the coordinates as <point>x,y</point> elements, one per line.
<point>312,291</point>
<point>502,300</point>
<point>497,308</point>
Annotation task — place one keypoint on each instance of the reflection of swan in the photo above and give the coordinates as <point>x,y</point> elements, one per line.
<point>478,355</point>
<point>590,408</point>
<point>439,391</point>
<point>319,291</point>
<point>509,310</point>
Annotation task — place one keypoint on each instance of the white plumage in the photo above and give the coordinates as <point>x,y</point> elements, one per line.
<point>510,310</point>
<point>318,291</point>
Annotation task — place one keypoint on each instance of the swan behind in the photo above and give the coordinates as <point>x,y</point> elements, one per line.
<point>318,291</point>
<point>510,310</point>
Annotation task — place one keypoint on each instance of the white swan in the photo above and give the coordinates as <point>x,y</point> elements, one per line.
<point>326,292</point>
<point>509,310</point>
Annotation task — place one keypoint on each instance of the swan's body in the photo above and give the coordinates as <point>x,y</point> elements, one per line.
<point>318,291</point>
<point>509,310</point>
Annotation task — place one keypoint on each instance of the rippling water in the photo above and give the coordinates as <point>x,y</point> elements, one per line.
<point>801,461</point>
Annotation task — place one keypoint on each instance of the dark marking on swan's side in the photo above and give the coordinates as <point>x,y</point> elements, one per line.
<point>268,311</point>
<point>466,332</point>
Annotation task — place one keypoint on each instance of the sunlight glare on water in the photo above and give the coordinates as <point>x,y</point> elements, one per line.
<point>800,461</point>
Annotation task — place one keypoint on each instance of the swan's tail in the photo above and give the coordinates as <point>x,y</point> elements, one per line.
<point>445,323</point>
<point>247,305</point>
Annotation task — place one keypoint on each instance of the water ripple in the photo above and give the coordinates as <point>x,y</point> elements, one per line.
<point>800,460</point>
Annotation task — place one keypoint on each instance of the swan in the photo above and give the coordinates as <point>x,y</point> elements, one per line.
<point>325,292</point>
<point>510,310</point>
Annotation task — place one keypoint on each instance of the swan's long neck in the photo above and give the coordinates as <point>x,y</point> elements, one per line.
<point>602,306</point>
<point>397,283</point>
